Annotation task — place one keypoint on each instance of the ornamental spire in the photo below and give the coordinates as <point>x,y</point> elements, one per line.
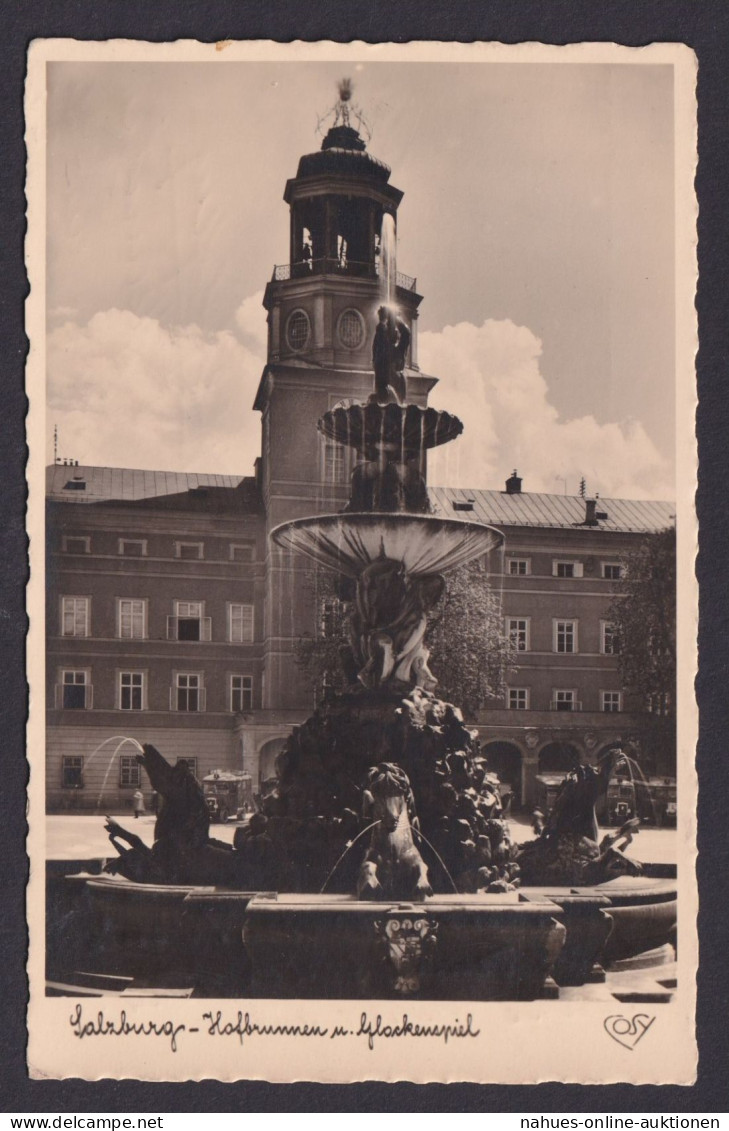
<point>343,113</point>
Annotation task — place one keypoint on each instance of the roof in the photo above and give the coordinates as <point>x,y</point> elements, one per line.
<point>125,484</point>
<point>495,508</point>
<point>498,508</point>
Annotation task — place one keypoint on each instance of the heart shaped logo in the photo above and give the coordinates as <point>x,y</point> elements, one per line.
<point>627,1031</point>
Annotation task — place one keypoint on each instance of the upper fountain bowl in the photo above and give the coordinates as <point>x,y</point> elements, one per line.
<point>425,544</point>
<point>406,428</point>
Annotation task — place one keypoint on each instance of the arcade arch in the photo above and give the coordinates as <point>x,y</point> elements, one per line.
<point>267,756</point>
<point>558,757</point>
<point>505,760</point>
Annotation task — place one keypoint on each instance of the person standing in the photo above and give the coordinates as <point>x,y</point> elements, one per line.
<point>138,801</point>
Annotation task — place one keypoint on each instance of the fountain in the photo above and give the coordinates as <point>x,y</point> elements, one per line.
<point>438,902</point>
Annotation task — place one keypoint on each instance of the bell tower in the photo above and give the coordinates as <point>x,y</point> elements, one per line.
<point>322,313</point>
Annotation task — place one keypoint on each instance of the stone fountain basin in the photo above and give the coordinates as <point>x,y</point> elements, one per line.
<point>406,428</point>
<point>425,544</point>
<point>489,947</point>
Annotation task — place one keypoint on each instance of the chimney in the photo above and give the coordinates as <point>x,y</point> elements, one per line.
<point>590,512</point>
<point>513,484</point>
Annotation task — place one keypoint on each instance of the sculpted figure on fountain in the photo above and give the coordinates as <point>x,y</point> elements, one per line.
<point>388,625</point>
<point>389,351</point>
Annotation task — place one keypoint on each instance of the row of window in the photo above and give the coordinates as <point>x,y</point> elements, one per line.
<point>75,691</point>
<point>565,635</point>
<point>137,548</point>
<point>188,621</point>
<point>564,567</point>
<point>563,699</point>
<point>130,772</point>
<point>187,693</point>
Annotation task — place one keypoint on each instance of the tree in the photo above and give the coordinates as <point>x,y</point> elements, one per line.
<point>643,617</point>
<point>470,651</point>
<point>319,655</point>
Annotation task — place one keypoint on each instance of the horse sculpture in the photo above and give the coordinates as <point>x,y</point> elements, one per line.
<point>393,868</point>
<point>182,851</point>
<point>566,850</point>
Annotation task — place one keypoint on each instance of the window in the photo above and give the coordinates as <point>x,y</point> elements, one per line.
<point>334,469</point>
<point>188,622</point>
<point>133,547</point>
<point>241,693</point>
<point>240,624</point>
<point>75,616</point>
<point>566,569</point>
<point>75,691</point>
<point>519,567</point>
<point>297,329</point>
<point>76,545</point>
<point>518,630</point>
<point>131,691</point>
<point>191,764</point>
<point>72,771</point>
<point>242,552</point>
<point>132,618</point>
<point>564,701</point>
<point>350,329</point>
<point>565,636</point>
<point>612,571</point>
<point>611,701</point>
<point>332,613</point>
<point>608,638</point>
<point>130,772</point>
<point>188,693</point>
<point>518,698</point>
<point>659,703</point>
<point>189,551</point>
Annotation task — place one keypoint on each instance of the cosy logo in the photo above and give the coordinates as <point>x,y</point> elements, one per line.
<point>627,1031</point>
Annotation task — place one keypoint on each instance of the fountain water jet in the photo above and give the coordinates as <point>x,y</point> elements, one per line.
<point>388,259</point>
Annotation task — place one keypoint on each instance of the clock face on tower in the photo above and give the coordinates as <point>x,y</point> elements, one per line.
<point>298,330</point>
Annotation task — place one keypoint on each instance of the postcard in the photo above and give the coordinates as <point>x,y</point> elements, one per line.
<point>362,601</point>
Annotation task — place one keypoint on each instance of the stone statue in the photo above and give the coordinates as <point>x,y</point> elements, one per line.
<point>383,483</point>
<point>389,350</point>
<point>393,868</point>
<point>182,851</point>
<point>389,622</point>
<point>566,851</point>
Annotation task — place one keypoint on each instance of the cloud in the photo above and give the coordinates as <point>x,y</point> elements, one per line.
<point>250,318</point>
<point>62,314</point>
<point>490,377</point>
<point>127,391</point>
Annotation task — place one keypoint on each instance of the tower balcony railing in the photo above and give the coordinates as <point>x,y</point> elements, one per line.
<point>282,272</point>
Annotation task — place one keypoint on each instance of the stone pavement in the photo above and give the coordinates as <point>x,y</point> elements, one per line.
<point>82,837</point>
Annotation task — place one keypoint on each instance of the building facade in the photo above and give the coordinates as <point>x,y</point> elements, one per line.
<point>171,619</point>
<point>558,576</point>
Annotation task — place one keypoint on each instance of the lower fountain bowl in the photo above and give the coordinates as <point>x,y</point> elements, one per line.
<point>425,544</point>
<point>225,943</point>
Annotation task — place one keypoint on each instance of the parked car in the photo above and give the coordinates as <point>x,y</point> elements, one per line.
<point>228,794</point>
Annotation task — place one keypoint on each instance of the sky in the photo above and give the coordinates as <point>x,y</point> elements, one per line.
<point>538,218</point>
